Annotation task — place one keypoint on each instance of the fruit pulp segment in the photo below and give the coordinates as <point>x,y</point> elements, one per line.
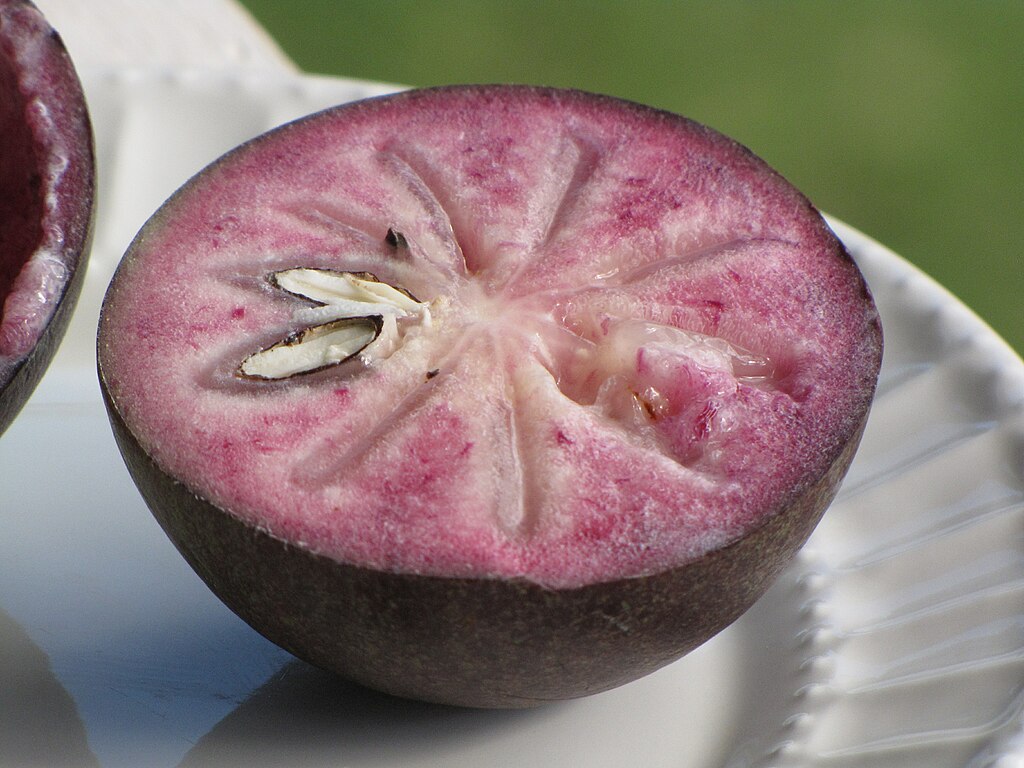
<point>642,342</point>
<point>20,197</point>
<point>40,122</point>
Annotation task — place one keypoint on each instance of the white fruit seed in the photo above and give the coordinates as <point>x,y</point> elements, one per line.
<point>353,312</point>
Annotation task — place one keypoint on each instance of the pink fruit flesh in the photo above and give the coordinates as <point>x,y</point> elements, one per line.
<point>642,344</point>
<point>20,198</point>
<point>46,195</point>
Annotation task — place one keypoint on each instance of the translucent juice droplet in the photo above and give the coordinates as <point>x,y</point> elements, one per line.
<point>751,368</point>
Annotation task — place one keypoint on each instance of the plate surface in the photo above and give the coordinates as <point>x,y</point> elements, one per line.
<point>896,639</point>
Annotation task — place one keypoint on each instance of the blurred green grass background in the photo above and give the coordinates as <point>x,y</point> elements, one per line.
<point>904,119</point>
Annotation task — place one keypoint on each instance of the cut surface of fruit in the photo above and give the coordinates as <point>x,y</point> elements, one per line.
<point>488,395</point>
<point>46,198</point>
<point>596,341</point>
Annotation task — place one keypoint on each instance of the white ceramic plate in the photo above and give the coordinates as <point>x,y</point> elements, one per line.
<point>897,639</point>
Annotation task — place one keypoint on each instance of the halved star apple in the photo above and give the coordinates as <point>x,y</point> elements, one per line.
<point>46,199</point>
<point>488,395</point>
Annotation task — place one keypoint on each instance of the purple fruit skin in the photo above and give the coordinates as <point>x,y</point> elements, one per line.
<point>68,227</point>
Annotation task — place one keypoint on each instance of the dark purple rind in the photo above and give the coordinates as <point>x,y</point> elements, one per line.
<point>470,642</point>
<point>69,226</point>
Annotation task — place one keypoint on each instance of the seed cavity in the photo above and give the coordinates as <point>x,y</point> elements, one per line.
<point>313,348</point>
<point>345,291</point>
<point>396,239</point>
<point>354,313</point>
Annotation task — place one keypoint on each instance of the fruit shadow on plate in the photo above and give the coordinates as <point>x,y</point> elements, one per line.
<point>39,724</point>
<point>304,713</point>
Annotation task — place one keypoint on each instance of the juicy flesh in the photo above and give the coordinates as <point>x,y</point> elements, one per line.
<point>21,195</point>
<point>641,341</point>
<point>45,179</point>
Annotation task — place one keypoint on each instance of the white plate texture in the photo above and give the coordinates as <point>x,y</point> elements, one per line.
<point>896,639</point>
